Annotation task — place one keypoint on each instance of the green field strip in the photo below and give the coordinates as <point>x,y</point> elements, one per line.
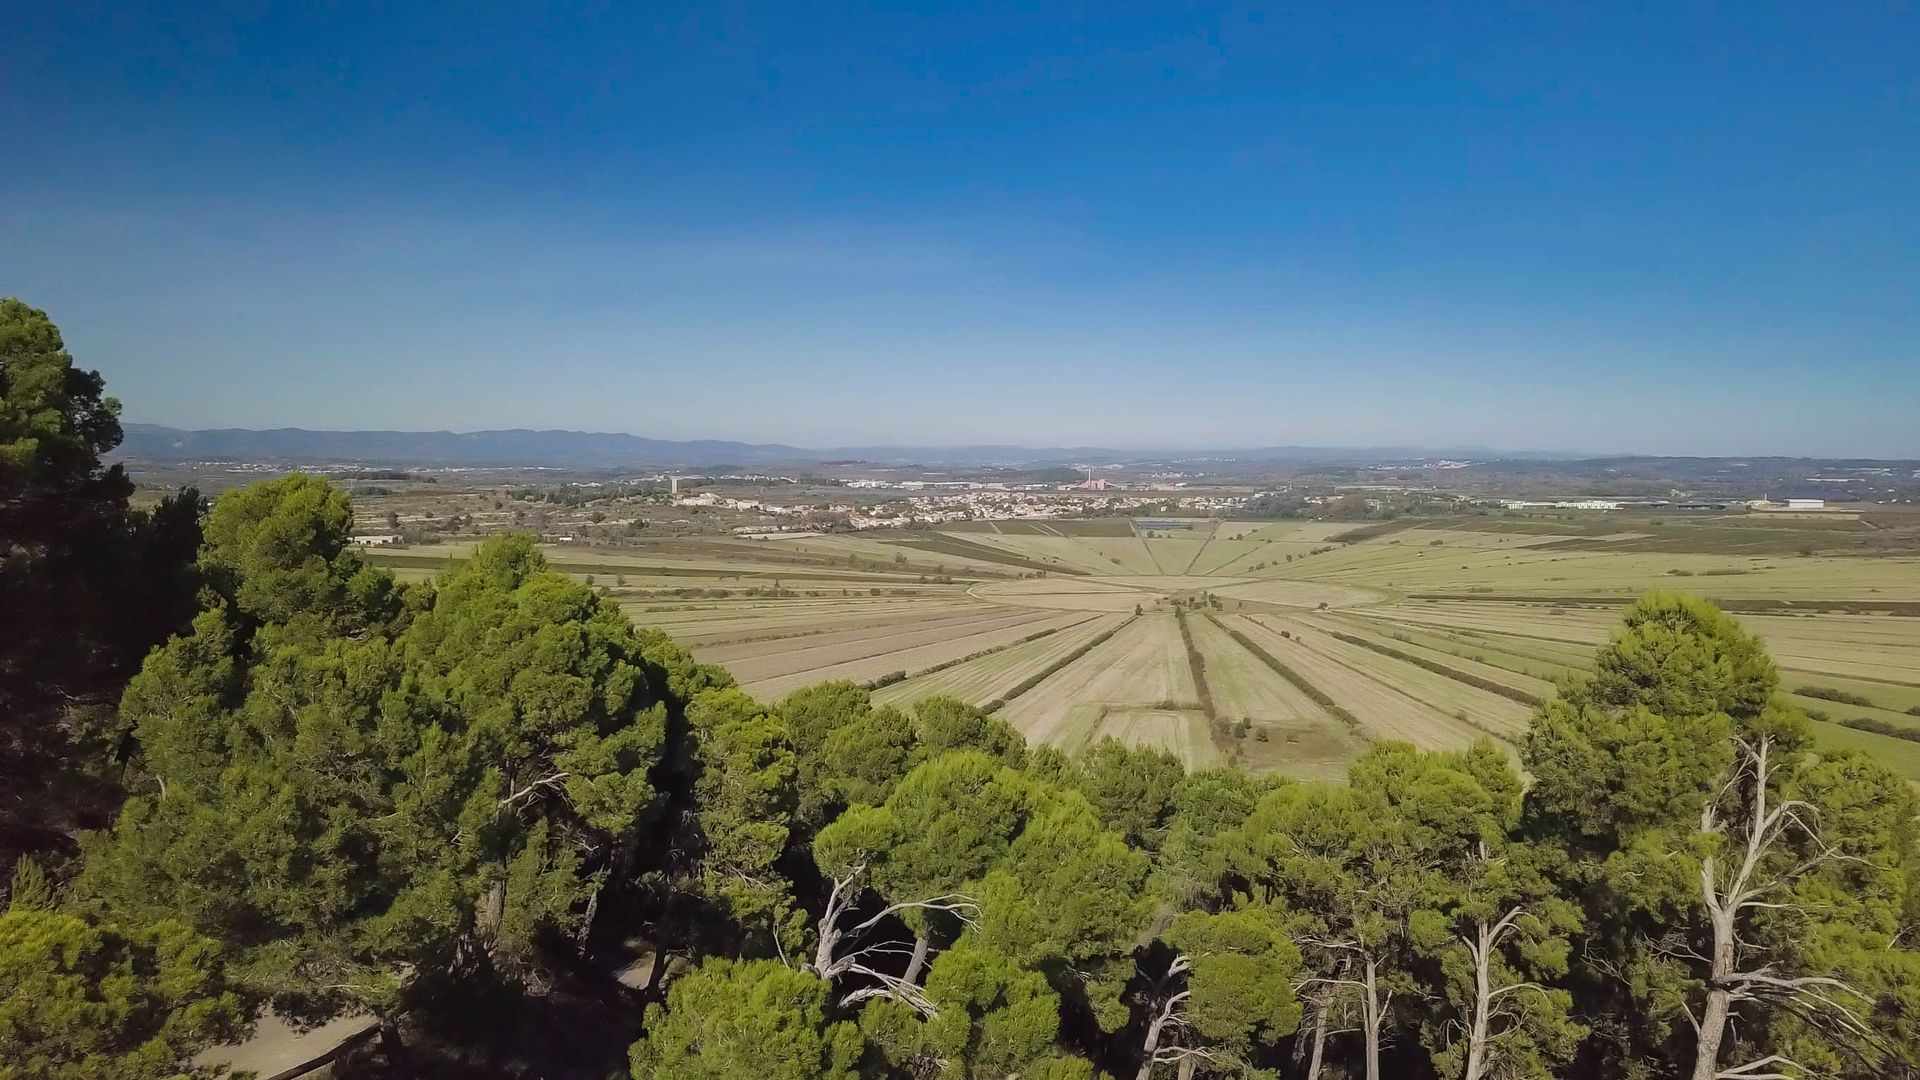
<point>746,631</point>
<point>1889,701</point>
<point>1298,681</point>
<point>688,623</point>
<point>1195,561</point>
<point>403,560</point>
<point>761,666</point>
<point>1111,526</point>
<point>1886,721</point>
<point>1470,706</point>
<point>980,655</point>
<point>1056,666</point>
<point>1459,621</point>
<point>1734,605</point>
<point>1285,730</point>
<point>1888,697</point>
<point>732,652</point>
<point>1061,553</point>
<point>983,679</point>
<point>1223,552</point>
<point>1388,675</point>
<point>881,550</point>
<point>870,665</point>
<point>969,549</point>
<point>1379,529</point>
<point>833,553</point>
<point>1899,755</point>
<point>1459,675</point>
<point>1473,649</point>
<point>1178,731</point>
<point>1817,649</point>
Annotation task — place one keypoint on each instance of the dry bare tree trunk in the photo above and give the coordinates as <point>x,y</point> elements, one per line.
<point>1483,947</point>
<point>1375,1016</point>
<point>1713,1018</point>
<point>1741,887</point>
<point>1319,1052</point>
<point>1312,1051</point>
<point>492,910</point>
<point>918,962</point>
<point>832,958</point>
<point>1150,1048</point>
<point>581,935</point>
<point>1373,1002</point>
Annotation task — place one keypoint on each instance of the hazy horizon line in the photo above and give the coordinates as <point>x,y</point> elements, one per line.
<point>1424,449</point>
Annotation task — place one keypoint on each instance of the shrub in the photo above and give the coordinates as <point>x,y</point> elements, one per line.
<point>1882,727</point>
<point>1828,693</point>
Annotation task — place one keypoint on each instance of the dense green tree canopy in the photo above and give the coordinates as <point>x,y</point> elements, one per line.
<point>87,586</point>
<point>83,1001</point>
<point>1732,929</point>
<point>351,793</point>
<point>372,782</point>
<point>746,1020</point>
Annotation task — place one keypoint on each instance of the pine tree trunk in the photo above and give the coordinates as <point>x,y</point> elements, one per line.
<point>586,924</point>
<point>399,1065</point>
<point>492,909</point>
<point>1477,1028</point>
<point>1187,1067</point>
<point>618,868</point>
<point>919,961</point>
<point>661,957</point>
<point>1713,1019</point>
<point>1374,1018</point>
<point>1151,1046</point>
<point>661,953</point>
<point>1318,1055</point>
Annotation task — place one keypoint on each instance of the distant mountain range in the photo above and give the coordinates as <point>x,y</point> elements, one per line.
<point>613,450</point>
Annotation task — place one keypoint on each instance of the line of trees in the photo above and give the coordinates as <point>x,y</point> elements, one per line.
<point>326,791</point>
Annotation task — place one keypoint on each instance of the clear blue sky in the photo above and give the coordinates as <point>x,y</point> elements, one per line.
<point>1676,227</point>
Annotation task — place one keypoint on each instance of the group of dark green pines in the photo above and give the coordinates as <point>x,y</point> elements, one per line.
<point>243,770</point>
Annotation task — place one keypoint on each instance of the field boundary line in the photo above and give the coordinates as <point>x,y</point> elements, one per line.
<point>1055,668</point>
<point>890,678</point>
<point>1197,666</point>
<point>1403,692</point>
<point>1898,609</point>
<point>1468,678</point>
<point>1315,694</point>
<point>1195,561</point>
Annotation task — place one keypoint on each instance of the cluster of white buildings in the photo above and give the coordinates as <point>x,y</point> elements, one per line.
<point>1563,504</point>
